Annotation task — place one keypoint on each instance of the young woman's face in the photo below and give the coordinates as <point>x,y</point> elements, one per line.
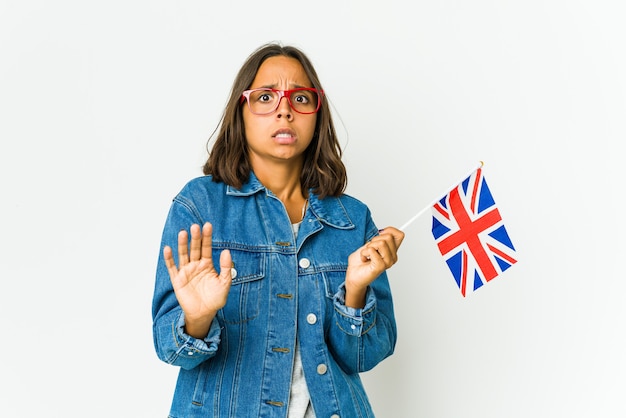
<point>284,134</point>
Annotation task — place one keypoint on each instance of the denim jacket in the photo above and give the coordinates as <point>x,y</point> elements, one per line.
<point>282,287</point>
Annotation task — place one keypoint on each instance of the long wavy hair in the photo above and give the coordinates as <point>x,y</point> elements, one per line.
<point>323,170</point>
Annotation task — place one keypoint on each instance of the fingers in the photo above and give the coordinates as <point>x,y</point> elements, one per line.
<point>207,242</point>
<point>169,261</point>
<point>396,234</point>
<point>196,243</point>
<point>183,255</point>
<point>380,252</point>
<point>385,246</point>
<point>198,247</point>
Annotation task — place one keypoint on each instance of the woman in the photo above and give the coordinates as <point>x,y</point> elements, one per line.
<point>277,297</point>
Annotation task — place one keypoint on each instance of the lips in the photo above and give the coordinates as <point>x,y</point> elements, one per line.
<point>284,133</point>
<point>284,136</point>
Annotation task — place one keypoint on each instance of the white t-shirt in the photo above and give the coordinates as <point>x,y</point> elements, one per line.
<point>299,399</point>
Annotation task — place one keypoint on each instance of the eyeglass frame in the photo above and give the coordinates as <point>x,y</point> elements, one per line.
<point>245,96</point>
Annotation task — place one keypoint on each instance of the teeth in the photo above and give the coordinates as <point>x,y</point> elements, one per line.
<point>283,135</point>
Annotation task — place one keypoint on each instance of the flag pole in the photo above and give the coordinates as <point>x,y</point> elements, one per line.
<point>421,212</point>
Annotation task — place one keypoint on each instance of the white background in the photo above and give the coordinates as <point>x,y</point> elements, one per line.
<point>105,109</point>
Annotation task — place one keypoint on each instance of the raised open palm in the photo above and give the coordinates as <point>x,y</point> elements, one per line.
<point>200,290</point>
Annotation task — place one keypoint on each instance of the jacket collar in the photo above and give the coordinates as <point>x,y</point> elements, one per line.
<point>329,210</point>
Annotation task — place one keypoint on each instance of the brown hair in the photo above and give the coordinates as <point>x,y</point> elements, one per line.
<point>323,171</point>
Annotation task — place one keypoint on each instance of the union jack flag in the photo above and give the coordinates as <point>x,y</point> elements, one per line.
<point>470,234</point>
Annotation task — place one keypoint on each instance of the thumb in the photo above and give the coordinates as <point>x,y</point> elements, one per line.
<point>226,265</point>
<point>397,234</point>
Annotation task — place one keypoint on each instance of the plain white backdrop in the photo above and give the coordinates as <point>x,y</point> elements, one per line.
<point>105,109</point>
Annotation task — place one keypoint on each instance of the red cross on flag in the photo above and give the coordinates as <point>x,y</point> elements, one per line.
<point>470,234</point>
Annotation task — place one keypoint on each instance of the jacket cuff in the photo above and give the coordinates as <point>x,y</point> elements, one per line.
<point>354,321</point>
<point>190,346</point>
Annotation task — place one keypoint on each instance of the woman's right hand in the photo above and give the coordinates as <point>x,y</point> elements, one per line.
<point>200,290</point>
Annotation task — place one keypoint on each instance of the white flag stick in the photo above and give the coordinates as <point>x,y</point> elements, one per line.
<point>421,212</point>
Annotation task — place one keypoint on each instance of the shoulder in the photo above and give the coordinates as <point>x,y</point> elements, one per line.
<point>199,191</point>
<point>352,202</point>
<point>202,184</point>
<point>360,215</point>
<point>353,206</point>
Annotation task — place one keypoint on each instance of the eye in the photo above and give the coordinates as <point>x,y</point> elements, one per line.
<point>302,97</point>
<point>265,97</point>
<point>262,96</point>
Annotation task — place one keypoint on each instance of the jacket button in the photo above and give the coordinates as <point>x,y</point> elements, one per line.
<point>304,263</point>
<point>334,416</point>
<point>311,318</point>
<point>233,273</point>
<point>321,369</point>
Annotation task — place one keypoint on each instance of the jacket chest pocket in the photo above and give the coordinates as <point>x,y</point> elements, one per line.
<point>333,277</point>
<point>244,295</point>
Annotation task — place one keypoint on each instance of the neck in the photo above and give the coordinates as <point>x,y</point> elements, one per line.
<point>284,181</point>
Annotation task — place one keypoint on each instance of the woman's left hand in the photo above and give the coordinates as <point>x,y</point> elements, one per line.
<point>369,261</point>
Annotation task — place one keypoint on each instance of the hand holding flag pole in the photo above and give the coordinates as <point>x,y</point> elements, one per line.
<point>430,205</point>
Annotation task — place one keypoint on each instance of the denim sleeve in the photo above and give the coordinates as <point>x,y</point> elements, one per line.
<point>179,348</point>
<point>171,343</point>
<point>362,338</point>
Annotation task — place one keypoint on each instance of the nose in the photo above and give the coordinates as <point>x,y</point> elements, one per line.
<point>284,108</point>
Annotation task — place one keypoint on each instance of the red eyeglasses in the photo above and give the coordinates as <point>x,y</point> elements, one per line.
<point>305,100</point>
